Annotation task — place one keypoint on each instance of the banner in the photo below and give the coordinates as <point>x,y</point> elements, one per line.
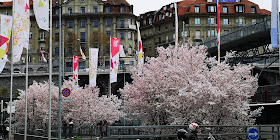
<point>93,62</point>
<point>274,24</point>
<point>75,68</point>
<point>5,35</point>
<point>6,0</point>
<point>140,47</point>
<point>41,11</point>
<point>82,53</point>
<point>122,53</point>
<point>114,55</point>
<point>20,28</point>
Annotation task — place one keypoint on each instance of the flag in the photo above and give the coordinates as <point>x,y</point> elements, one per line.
<point>75,67</point>
<point>218,30</point>
<point>93,59</point>
<point>6,0</point>
<point>82,53</point>
<point>274,24</point>
<point>44,59</point>
<point>5,35</point>
<point>41,11</point>
<point>114,55</point>
<point>122,53</point>
<point>176,25</point>
<point>140,47</point>
<point>20,28</point>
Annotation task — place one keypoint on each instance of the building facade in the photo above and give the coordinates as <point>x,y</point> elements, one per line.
<point>86,24</point>
<point>200,21</point>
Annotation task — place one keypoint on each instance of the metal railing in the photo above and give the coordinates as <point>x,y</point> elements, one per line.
<point>239,33</point>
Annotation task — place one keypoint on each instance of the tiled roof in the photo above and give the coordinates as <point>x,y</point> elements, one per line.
<point>117,2</point>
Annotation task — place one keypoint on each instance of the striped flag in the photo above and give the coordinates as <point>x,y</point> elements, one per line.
<point>274,24</point>
<point>82,53</point>
<point>43,57</point>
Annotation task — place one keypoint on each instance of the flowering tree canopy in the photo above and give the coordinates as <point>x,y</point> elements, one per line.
<point>183,85</point>
<point>86,107</point>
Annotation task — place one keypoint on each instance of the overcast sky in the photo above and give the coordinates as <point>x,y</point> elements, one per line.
<point>142,6</point>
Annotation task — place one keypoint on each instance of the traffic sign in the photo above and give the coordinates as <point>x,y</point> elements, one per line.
<point>66,92</point>
<point>253,133</point>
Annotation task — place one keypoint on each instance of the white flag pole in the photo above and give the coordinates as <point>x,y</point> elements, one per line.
<point>176,25</point>
<point>109,86</point>
<point>12,70</point>
<point>50,74</point>
<point>26,96</point>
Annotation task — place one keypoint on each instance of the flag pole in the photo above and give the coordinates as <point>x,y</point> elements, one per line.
<point>26,96</point>
<point>109,87</point>
<point>184,33</point>
<point>50,74</point>
<point>59,77</point>
<point>218,31</point>
<point>63,75</point>
<point>12,71</point>
<point>176,25</point>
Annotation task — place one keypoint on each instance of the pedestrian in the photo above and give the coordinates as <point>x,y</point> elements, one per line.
<point>194,128</point>
<point>71,127</point>
<point>64,127</point>
<point>99,126</point>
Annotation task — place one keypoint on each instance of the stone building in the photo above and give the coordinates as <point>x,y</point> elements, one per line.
<point>85,23</point>
<point>200,18</point>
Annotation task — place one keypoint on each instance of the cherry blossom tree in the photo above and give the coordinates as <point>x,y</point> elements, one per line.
<point>86,107</point>
<point>184,85</point>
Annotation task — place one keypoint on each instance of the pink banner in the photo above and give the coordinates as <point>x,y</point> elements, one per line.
<point>115,49</point>
<point>75,67</point>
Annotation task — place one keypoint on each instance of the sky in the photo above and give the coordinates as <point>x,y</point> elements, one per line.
<point>142,6</point>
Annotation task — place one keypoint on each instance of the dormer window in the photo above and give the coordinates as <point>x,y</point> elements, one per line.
<point>164,7</point>
<point>70,10</point>
<point>122,10</point>
<point>171,5</point>
<point>108,9</point>
<point>160,17</point>
<point>239,8</point>
<point>253,9</point>
<point>209,0</point>
<point>167,14</point>
<point>196,9</point>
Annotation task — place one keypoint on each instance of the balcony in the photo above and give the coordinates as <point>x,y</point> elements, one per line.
<point>126,27</point>
<point>42,39</point>
<point>198,37</point>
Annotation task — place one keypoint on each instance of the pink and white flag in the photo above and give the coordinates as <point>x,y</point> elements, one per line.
<point>20,28</point>
<point>114,55</point>
<point>75,67</point>
<point>41,11</point>
<point>44,59</point>
<point>140,47</point>
<point>82,53</point>
<point>5,35</point>
<point>93,62</point>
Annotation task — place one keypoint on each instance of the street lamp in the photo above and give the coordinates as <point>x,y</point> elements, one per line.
<point>34,100</point>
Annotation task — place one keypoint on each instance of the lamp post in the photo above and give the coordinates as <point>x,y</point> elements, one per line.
<point>34,100</point>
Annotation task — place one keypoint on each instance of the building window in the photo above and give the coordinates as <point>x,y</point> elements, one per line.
<point>56,11</point>
<point>122,10</point>
<point>83,23</point>
<point>166,38</point>
<point>197,34</point>
<point>196,9</point>
<point>30,12</point>
<point>70,37</point>
<point>211,20</point>
<point>108,22</point>
<point>253,9</point>
<point>239,8</point>
<point>129,35</point>
<point>95,9</point>
<point>42,35</point>
<point>240,21</point>
<point>160,17</point>
<point>129,21</point>
<point>225,21</point>
<point>211,9</point>
<point>56,51</point>
<point>122,23</point>
<point>83,37</point>
<point>159,28</point>
<point>167,14</point>
<point>30,35</point>
<point>29,58</point>
<point>82,1</point>
<point>83,10</point>
<point>254,21</point>
<point>6,12</point>
<point>197,20</point>
<point>56,35</point>
<point>30,23</point>
<point>56,24</point>
<point>95,23</point>
<point>70,24</point>
<point>209,0</point>
<point>211,33</point>
<point>122,35</point>
<point>108,9</point>
<point>108,33</point>
<point>225,9</point>
<point>69,51</point>
<point>70,10</point>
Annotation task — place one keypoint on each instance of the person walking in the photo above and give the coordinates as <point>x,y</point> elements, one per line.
<point>71,127</point>
<point>64,128</point>
<point>194,128</point>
